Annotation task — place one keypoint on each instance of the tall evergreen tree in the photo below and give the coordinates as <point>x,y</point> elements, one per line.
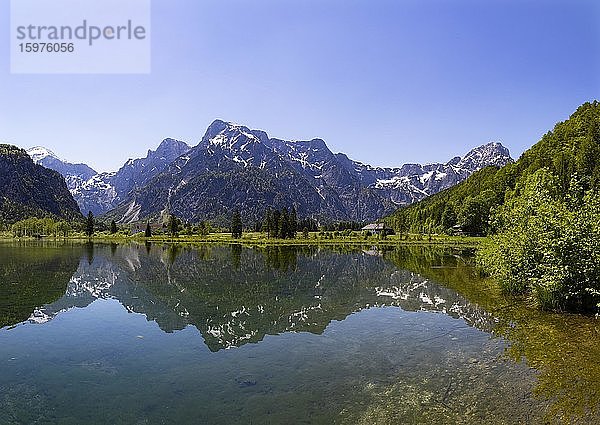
<point>268,223</point>
<point>401,225</point>
<point>236,224</point>
<point>148,232</point>
<point>284,224</point>
<point>173,225</point>
<point>275,224</point>
<point>113,227</point>
<point>89,225</point>
<point>293,223</point>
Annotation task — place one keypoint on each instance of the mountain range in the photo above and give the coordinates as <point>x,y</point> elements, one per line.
<point>236,167</point>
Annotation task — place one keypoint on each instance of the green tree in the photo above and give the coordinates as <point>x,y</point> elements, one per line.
<point>449,218</point>
<point>204,228</point>
<point>293,223</point>
<point>267,226</point>
<point>473,216</point>
<point>113,227</point>
<point>63,228</point>
<point>275,224</point>
<point>89,225</point>
<point>305,233</point>
<point>587,159</point>
<point>284,224</point>
<point>236,224</point>
<point>148,232</point>
<point>401,224</point>
<point>547,245</point>
<point>174,225</point>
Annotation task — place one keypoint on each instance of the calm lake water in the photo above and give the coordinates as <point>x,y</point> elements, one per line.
<point>153,334</point>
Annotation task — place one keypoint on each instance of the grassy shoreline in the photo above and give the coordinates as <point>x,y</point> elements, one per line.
<point>259,239</point>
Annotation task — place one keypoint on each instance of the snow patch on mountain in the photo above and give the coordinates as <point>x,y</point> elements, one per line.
<point>37,153</point>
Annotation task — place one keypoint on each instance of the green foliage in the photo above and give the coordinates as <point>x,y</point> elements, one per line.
<point>281,224</point>
<point>305,233</point>
<point>474,215</point>
<point>62,228</point>
<point>39,227</point>
<point>236,224</point>
<point>113,227</point>
<point>293,223</point>
<point>449,218</point>
<point>543,212</point>
<point>148,231</point>
<point>284,224</point>
<point>400,224</point>
<point>204,228</point>
<point>89,225</point>
<point>547,244</point>
<point>174,225</point>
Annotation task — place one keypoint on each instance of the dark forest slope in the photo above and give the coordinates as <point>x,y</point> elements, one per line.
<point>30,190</point>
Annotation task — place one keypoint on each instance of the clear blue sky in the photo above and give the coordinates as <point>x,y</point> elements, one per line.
<point>386,82</point>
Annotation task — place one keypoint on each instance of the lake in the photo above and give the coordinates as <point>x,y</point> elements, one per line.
<point>163,334</point>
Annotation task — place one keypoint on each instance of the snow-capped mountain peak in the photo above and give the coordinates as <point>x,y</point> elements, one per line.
<point>38,153</point>
<point>492,153</point>
<point>74,174</point>
<point>413,182</point>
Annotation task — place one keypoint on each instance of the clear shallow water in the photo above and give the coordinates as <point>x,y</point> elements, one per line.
<point>154,334</point>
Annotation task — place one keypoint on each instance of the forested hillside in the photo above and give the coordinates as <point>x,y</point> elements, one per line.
<point>571,148</point>
<point>542,214</point>
<point>30,190</point>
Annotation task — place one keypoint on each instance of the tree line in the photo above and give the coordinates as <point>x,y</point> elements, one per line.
<point>280,224</point>
<point>40,227</point>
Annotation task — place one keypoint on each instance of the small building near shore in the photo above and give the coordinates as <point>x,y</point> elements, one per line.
<point>378,229</point>
<point>457,230</point>
<point>140,227</point>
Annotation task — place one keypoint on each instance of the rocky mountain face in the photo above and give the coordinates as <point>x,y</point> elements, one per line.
<point>28,189</point>
<point>102,192</point>
<point>413,182</point>
<point>235,167</point>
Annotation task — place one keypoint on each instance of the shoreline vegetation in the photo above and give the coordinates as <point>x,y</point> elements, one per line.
<point>279,228</point>
<point>260,239</point>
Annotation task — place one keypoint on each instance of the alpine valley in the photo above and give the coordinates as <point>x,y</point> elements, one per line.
<point>234,167</point>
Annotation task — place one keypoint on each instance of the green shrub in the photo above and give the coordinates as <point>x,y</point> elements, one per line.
<point>547,246</point>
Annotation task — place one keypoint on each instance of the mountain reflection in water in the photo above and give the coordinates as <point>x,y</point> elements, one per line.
<point>235,296</point>
<point>470,354</point>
